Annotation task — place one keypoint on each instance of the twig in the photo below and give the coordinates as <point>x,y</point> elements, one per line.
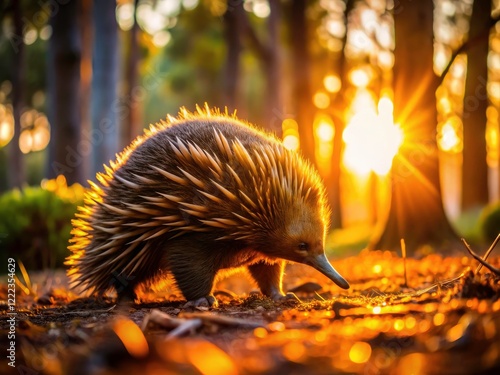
<point>319,295</point>
<point>403,252</point>
<point>485,257</point>
<point>466,45</point>
<point>27,287</point>
<point>191,321</point>
<point>481,260</point>
<point>162,319</point>
<point>82,313</point>
<point>187,326</point>
<point>223,320</point>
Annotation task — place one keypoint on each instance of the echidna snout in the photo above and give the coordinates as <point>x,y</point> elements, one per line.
<point>304,241</point>
<point>196,195</point>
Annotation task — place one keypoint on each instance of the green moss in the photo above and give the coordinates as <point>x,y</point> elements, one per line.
<point>490,222</point>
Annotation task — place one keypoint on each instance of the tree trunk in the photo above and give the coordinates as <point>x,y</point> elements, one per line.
<point>272,68</point>
<point>131,126</point>
<point>104,136</point>
<point>301,77</point>
<point>339,106</point>
<point>232,33</point>
<point>475,169</point>
<point>16,170</point>
<point>416,212</point>
<point>85,85</point>
<point>65,150</point>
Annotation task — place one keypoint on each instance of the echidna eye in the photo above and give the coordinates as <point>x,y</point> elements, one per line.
<point>303,246</point>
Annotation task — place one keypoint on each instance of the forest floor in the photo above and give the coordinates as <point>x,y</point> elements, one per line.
<point>443,319</point>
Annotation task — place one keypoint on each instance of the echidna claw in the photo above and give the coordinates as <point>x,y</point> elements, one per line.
<point>208,301</point>
<point>278,297</point>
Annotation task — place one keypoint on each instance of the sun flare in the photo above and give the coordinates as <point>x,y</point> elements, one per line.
<point>371,137</point>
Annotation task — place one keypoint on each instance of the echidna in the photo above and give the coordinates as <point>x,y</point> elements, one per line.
<point>194,195</point>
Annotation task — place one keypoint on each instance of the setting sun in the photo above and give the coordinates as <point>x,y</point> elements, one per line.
<point>372,139</point>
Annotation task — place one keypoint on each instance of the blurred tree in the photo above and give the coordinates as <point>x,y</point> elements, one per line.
<point>64,94</point>
<point>266,50</point>
<point>233,19</point>
<point>104,134</point>
<point>475,169</point>
<point>339,105</point>
<point>189,70</point>
<point>416,211</point>
<point>131,123</point>
<point>301,76</point>
<point>273,69</point>
<point>86,83</point>
<point>16,168</point>
<point>32,19</point>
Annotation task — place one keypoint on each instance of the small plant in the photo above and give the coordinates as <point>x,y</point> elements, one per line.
<point>490,222</point>
<point>35,222</point>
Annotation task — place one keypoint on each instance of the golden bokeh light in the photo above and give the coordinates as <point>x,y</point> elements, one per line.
<point>439,319</point>
<point>125,16</point>
<point>332,83</point>
<point>324,133</point>
<point>294,351</point>
<point>6,125</point>
<point>321,100</point>
<point>385,59</point>
<point>132,337</point>
<point>494,90</point>
<point>35,131</point>
<point>161,38</point>
<point>360,77</point>
<point>360,352</point>
<point>290,130</point>
<point>210,359</point>
<point>377,310</point>
<point>444,105</point>
<point>377,268</point>
<point>492,136</point>
<point>455,332</point>
<point>449,135</point>
<point>261,9</point>
<point>26,141</point>
<point>291,142</point>
<point>399,324</point>
<point>260,332</point>
<point>441,58</point>
<point>276,326</point>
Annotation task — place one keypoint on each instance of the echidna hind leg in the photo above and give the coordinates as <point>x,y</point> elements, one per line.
<point>194,273</point>
<point>269,278</point>
<point>126,293</point>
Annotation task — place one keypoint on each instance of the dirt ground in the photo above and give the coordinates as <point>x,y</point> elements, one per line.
<point>443,319</point>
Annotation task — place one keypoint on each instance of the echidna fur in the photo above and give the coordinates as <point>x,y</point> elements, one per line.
<point>194,195</point>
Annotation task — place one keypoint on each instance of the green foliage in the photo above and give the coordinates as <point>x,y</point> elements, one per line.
<point>189,70</point>
<point>468,225</point>
<point>490,222</point>
<point>35,223</point>
<point>348,241</point>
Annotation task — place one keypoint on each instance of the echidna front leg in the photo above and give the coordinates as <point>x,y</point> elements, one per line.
<point>269,278</point>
